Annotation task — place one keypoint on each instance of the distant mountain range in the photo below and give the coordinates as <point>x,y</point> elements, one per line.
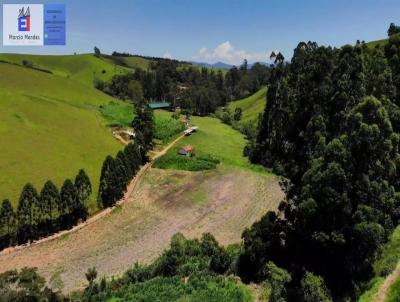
<point>221,65</point>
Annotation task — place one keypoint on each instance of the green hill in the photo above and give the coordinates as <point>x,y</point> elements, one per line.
<point>54,122</point>
<point>251,106</point>
<point>129,62</point>
<point>381,42</point>
<point>50,126</point>
<point>83,68</point>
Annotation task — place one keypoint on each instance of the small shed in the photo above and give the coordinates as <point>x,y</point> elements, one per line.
<point>187,150</point>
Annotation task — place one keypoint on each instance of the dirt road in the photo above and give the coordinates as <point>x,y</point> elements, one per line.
<point>384,288</point>
<point>103,213</point>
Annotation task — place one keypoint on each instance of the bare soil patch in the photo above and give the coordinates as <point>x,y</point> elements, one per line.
<point>223,202</point>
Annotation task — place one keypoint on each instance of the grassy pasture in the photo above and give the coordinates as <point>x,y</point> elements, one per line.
<point>53,126</point>
<point>50,127</point>
<point>117,113</point>
<point>129,62</point>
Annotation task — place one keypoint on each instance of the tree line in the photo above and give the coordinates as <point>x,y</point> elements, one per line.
<point>331,128</point>
<point>198,90</point>
<point>117,54</point>
<point>40,214</point>
<point>393,29</point>
<point>116,173</point>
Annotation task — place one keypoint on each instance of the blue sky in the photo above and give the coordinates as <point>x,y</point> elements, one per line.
<point>215,30</point>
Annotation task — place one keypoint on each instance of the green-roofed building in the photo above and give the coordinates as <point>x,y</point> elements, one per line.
<point>159,105</point>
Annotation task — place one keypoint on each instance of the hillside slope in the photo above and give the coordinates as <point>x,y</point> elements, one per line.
<point>251,106</point>
<point>83,68</point>
<point>129,62</point>
<point>50,127</point>
<point>381,42</point>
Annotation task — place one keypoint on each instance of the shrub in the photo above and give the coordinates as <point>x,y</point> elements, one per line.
<point>179,162</point>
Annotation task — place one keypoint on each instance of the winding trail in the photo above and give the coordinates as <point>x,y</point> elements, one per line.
<point>131,187</point>
<point>384,288</point>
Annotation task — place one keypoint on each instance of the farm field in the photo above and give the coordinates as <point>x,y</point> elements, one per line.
<point>223,201</point>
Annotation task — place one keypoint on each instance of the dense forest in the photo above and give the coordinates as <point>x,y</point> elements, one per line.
<point>331,128</point>
<point>197,90</point>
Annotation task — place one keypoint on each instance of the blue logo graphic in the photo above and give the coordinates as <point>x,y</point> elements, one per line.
<point>24,20</point>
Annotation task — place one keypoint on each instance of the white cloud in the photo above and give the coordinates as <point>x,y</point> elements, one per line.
<point>167,55</point>
<point>227,53</point>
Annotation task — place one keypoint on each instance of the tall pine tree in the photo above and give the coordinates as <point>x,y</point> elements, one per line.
<point>50,199</point>
<point>7,216</point>
<point>109,187</point>
<point>83,185</point>
<point>28,213</point>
